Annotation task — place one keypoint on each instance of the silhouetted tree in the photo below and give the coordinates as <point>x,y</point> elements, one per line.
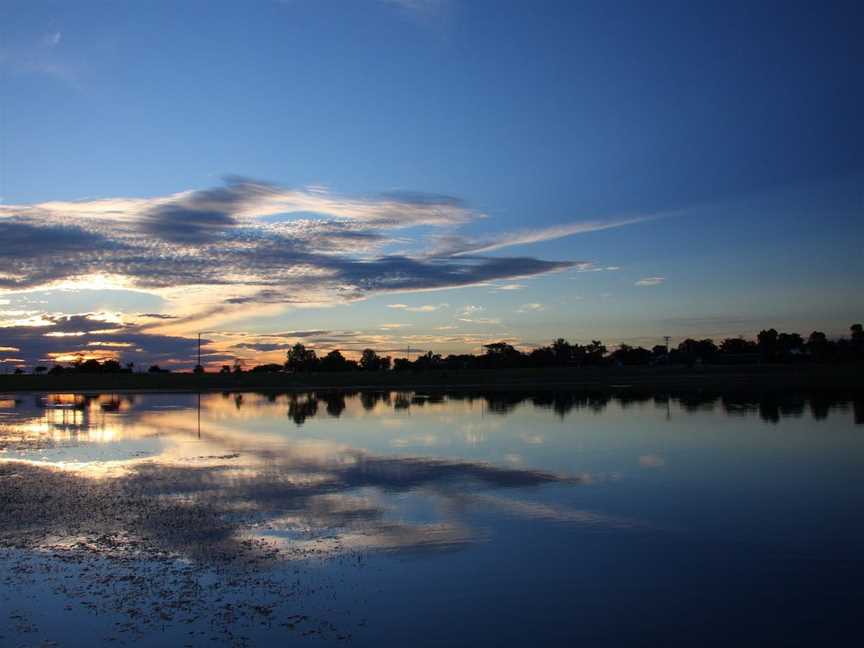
<point>789,343</point>
<point>767,340</point>
<point>593,354</point>
<point>628,355</point>
<point>563,351</point>
<point>736,346</point>
<point>88,366</point>
<point>111,366</point>
<point>501,355</point>
<point>301,359</point>
<point>693,351</point>
<point>542,357</point>
<point>402,364</point>
<point>334,361</point>
<point>267,368</point>
<point>857,335</point>
<point>371,361</point>
<point>428,361</point>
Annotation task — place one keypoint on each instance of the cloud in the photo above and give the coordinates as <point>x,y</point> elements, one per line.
<point>40,55</point>
<point>249,248</point>
<point>59,338</point>
<point>182,224</point>
<point>53,39</point>
<point>651,461</point>
<point>263,346</point>
<point>456,245</point>
<point>650,281</point>
<point>426,308</point>
<point>246,242</point>
<point>527,308</point>
<point>420,6</point>
<point>157,316</point>
<point>301,334</point>
<point>508,287</point>
<point>480,320</point>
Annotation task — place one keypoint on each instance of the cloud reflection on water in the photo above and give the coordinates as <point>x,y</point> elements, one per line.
<point>196,475</point>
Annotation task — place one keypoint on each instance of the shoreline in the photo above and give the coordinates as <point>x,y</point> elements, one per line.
<point>764,378</point>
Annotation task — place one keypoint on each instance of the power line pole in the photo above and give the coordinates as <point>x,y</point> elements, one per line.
<point>667,338</point>
<point>199,349</point>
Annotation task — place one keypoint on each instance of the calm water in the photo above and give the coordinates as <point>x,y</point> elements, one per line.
<point>431,519</point>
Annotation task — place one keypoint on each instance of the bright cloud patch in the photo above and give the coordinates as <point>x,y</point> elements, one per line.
<point>426,308</point>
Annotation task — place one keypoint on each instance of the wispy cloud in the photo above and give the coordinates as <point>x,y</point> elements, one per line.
<point>509,287</point>
<point>457,245</point>
<point>38,55</point>
<point>426,308</point>
<point>428,7</point>
<point>481,320</point>
<point>528,308</point>
<point>650,281</point>
<point>590,267</point>
<point>52,39</point>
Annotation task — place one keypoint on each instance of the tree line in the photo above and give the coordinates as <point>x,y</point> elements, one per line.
<point>770,346</point>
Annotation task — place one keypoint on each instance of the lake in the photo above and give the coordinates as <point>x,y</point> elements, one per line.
<point>483,519</point>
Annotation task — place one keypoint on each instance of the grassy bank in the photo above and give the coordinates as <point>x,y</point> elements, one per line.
<point>726,378</point>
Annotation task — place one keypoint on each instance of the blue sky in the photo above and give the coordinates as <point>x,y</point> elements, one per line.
<point>460,171</point>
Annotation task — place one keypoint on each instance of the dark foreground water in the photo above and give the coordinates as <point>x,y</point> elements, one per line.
<point>430,519</point>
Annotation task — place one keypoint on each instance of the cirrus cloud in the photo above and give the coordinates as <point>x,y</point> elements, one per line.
<point>650,281</point>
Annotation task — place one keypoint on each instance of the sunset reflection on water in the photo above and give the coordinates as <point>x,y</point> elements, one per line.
<point>474,489</point>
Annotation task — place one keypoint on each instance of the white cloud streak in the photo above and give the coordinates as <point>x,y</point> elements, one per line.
<point>456,245</point>
<point>650,281</point>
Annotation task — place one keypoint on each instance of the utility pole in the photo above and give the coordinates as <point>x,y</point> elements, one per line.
<point>198,367</point>
<point>667,338</point>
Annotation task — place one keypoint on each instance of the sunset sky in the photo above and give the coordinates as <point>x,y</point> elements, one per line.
<point>437,174</point>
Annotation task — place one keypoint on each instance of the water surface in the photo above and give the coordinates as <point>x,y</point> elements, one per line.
<point>430,518</point>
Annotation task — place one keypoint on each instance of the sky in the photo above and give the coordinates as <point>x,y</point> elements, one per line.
<point>423,175</point>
